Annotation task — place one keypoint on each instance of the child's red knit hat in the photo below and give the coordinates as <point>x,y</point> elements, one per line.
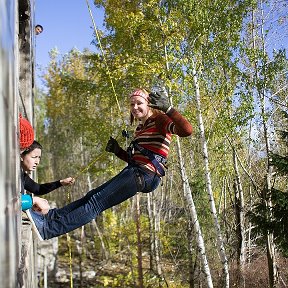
<point>26,133</point>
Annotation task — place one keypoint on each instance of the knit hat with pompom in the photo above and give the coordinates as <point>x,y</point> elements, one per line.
<point>26,133</point>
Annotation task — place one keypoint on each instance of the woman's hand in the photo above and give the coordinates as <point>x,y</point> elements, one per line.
<point>112,146</point>
<point>67,181</point>
<point>159,100</point>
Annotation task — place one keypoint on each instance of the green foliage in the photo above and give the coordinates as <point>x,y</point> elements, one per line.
<point>281,162</point>
<point>278,224</point>
<point>145,41</point>
<point>121,280</point>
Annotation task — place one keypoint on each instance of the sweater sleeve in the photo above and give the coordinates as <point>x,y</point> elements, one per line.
<point>40,189</point>
<point>175,123</point>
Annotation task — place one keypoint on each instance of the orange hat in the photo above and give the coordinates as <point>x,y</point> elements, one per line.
<point>140,92</point>
<point>26,133</point>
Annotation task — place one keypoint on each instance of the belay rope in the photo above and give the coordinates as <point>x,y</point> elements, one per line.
<point>124,134</point>
<point>154,158</point>
<point>69,247</point>
<point>105,62</point>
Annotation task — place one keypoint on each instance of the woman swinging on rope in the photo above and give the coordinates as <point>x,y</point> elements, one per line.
<point>146,157</point>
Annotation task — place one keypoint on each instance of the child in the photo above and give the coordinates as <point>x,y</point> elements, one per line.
<point>30,155</point>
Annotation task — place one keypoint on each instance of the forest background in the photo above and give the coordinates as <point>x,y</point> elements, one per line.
<point>219,219</point>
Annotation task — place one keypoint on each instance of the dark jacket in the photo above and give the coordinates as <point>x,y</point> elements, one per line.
<point>38,189</point>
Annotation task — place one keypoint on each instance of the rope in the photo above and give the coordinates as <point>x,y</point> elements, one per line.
<point>124,133</point>
<point>106,65</point>
<point>70,247</point>
<point>89,165</point>
<point>22,102</point>
<point>70,260</point>
<point>69,198</point>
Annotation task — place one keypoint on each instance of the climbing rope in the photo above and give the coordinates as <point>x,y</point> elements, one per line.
<point>70,246</point>
<point>124,131</point>
<point>105,62</point>
<point>89,165</point>
<point>124,134</point>
<point>23,105</point>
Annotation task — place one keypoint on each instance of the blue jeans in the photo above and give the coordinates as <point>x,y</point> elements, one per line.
<point>126,184</point>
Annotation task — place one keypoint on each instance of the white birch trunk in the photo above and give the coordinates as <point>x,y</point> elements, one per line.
<point>151,230</point>
<point>270,244</point>
<point>220,243</point>
<point>240,222</point>
<point>240,199</point>
<point>139,242</point>
<point>190,203</point>
<point>94,225</point>
<point>156,212</point>
<point>194,217</point>
<point>249,232</point>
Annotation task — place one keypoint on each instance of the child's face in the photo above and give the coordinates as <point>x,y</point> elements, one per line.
<point>38,30</point>
<point>31,160</point>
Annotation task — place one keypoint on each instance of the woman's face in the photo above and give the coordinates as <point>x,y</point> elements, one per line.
<point>31,160</point>
<point>139,108</point>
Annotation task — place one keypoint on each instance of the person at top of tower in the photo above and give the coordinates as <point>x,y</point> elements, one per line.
<point>38,29</point>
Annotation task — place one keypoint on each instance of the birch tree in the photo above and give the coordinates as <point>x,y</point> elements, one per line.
<point>139,242</point>
<point>162,62</point>
<point>194,217</point>
<point>240,221</point>
<point>220,242</point>
<point>194,48</point>
<point>262,81</point>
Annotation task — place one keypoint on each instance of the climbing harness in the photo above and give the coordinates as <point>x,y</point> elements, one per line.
<point>155,159</point>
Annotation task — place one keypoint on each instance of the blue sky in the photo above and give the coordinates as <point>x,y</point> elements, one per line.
<point>67,24</point>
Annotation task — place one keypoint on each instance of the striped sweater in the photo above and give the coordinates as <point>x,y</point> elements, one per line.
<point>155,135</point>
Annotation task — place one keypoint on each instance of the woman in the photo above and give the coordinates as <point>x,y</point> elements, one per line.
<point>145,156</point>
<point>30,158</point>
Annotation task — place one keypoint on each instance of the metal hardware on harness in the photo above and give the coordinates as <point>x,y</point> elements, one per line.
<point>125,134</point>
<point>156,159</point>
